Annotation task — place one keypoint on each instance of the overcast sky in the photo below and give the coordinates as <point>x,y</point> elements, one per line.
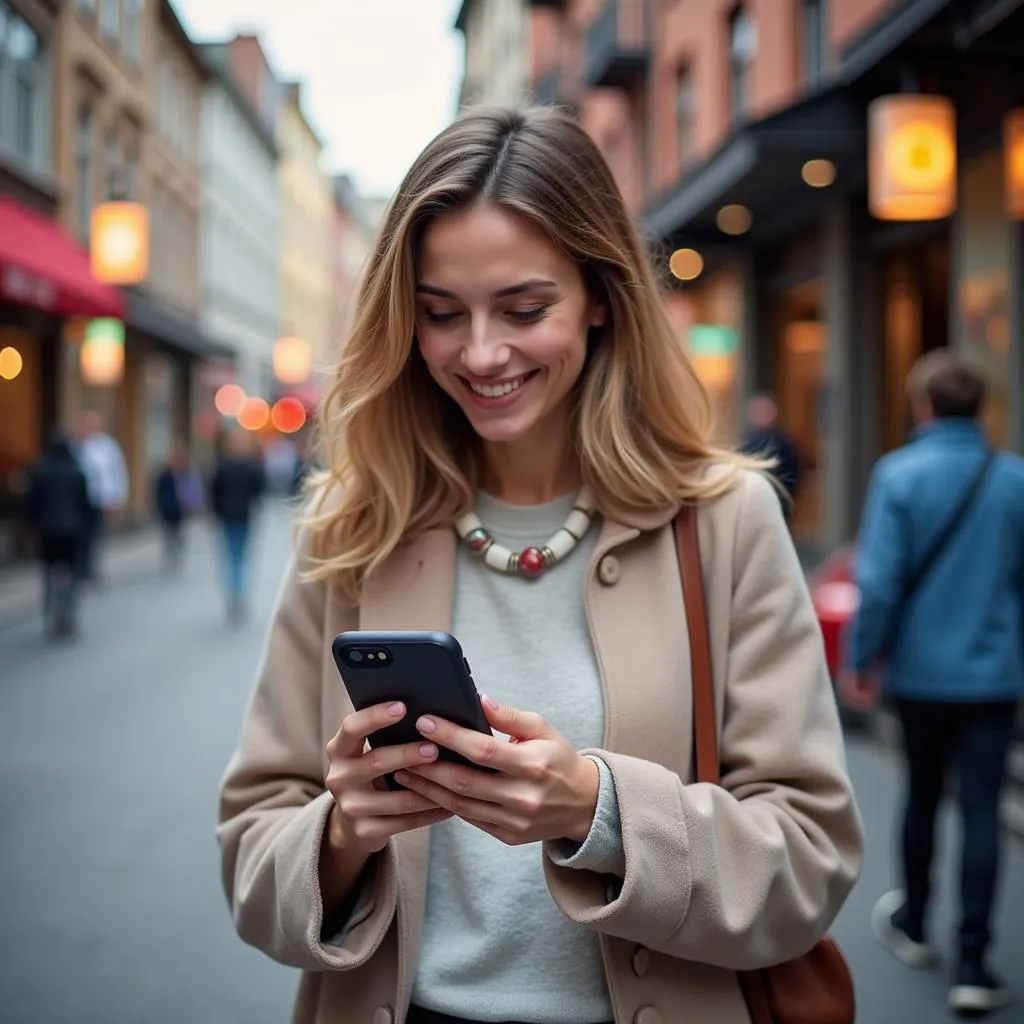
<point>381,77</point>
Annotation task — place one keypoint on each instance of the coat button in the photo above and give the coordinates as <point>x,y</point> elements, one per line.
<point>641,961</point>
<point>382,1015</point>
<point>609,570</point>
<point>648,1015</point>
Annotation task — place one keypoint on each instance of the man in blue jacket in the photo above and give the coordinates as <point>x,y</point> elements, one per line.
<point>951,651</point>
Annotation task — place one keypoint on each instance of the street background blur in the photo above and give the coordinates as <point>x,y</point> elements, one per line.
<point>188,194</point>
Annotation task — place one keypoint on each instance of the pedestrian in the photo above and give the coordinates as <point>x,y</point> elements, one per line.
<point>511,360</point>
<point>765,437</point>
<point>940,570</point>
<point>58,508</point>
<point>106,473</point>
<point>174,500</point>
<point>235,491</point>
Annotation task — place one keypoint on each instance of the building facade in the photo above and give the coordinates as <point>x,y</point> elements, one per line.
<point>498,51</point>
<point>352,237</point>
<point>307,210</point>
<point>739,135</point>
<point>239,225</point>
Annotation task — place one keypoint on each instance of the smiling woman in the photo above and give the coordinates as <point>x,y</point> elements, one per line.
<point>512,431</point>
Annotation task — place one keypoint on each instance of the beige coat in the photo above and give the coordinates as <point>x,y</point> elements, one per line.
<point>716,878</point>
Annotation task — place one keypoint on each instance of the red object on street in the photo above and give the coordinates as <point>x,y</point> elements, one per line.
<point>44,268</point>
<point>836,600</point>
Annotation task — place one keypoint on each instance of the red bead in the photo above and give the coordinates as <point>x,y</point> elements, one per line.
<point>531,562</point>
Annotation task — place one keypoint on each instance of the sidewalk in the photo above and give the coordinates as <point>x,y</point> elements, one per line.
<point>123,558</point>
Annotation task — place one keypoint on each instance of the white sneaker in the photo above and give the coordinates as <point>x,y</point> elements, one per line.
<point>977,991</point>
<point>894,938</point>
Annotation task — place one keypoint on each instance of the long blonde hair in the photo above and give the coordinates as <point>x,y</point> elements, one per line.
<point>400,456</point>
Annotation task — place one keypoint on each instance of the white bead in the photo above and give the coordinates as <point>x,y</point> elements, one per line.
<point>497,557</point>
<point>562,543</point>
<point>466,524</point>
<point>578,523</point>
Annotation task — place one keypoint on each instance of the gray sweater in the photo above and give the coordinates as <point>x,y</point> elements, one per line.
<point>495,946</point>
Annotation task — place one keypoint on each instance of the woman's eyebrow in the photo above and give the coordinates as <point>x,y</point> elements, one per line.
<point>516,289</point>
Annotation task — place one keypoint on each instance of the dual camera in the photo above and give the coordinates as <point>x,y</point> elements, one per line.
<point>363,657</point>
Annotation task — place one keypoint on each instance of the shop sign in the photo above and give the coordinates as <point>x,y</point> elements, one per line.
<point>102,351</point>
<point>708,340</point>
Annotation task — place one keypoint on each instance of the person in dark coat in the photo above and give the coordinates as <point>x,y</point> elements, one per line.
<point>58,507</point>
<point>235,491</point>
<point>765,438</point>
<point>173,505</point>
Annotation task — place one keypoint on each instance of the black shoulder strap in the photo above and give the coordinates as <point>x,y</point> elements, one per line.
<point>941,542</point>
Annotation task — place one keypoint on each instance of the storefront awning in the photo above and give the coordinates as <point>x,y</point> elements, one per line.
<point>171,328</point>
<point>759,167</point>
<point>42,267</point>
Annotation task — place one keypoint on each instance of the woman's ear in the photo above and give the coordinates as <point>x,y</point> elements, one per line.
<point>597,313</point>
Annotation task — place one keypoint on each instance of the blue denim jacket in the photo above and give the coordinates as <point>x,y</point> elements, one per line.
<point>962,636</point>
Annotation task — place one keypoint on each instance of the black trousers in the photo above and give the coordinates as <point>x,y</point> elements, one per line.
<point>974,740</point>
<point>419,1016</point>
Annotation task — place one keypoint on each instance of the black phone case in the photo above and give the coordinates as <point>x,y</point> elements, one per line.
<point>427,671</point>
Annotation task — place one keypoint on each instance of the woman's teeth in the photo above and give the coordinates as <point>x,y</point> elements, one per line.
<point>497,390</point>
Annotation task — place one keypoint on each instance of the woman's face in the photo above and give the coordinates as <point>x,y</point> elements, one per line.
<point>502,318</point>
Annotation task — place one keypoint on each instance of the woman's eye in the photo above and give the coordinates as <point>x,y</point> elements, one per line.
<point>439,318</point>
<point>528,316</point>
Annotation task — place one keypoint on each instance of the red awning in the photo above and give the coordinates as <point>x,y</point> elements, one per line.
<point>41,266</point>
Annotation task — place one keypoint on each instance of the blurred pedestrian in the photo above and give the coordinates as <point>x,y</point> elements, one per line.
<point>174,498</point>
<point>282,463</point>
<point>764,437</point>
<point>940,569</point>
<point>511,432</point>
<point>106,473</point>
<point>58,507</point>
<point>235,491</point>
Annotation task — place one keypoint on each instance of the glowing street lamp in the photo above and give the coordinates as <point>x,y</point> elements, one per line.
<point>119,251</point>
<point>293,360</point>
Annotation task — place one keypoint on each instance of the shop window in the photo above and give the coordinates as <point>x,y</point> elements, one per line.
<point>112,169</point>
<point>686,114</point>
<point>814,41</point>
<point>84,193</point>
<point>742,48</point>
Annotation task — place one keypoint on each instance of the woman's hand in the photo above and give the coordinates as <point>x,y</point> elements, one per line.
<point>541,789</point>
<point>368,813</point>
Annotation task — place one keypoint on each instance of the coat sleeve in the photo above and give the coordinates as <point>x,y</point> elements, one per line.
<point>752,872</point>
<point>880,571</point>
<point>274,806</point>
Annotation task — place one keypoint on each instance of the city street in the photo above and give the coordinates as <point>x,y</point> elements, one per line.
<point>110,753</point>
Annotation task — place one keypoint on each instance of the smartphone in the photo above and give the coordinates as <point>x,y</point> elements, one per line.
<point>426,671</point>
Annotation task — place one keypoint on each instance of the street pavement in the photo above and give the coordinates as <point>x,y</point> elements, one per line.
<point>111,748</point>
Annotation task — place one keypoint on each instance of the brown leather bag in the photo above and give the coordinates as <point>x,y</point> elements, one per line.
<point>815,988</point>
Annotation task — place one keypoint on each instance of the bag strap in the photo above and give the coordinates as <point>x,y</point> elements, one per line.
<point>705,732</point>
<point>939,545</point>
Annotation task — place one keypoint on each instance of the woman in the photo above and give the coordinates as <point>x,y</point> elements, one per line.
<point>511,362</point>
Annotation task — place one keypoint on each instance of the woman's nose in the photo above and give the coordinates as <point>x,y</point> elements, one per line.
<point>484,355</point>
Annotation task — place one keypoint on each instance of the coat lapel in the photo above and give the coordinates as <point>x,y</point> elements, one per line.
<point>414,590</point>
<point>638,629</point>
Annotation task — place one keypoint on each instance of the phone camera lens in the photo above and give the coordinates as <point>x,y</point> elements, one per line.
<point>356,656</point>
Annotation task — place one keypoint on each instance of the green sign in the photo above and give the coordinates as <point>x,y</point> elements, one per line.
<point>714,340</point>
<point>105,331</point>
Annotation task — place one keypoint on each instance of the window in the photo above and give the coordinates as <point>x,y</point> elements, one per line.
<point>87,7</point>
<point>110,18</point>
<point>131,171</point>
<point>112,168</point>
<point>133,22</point>
<point>686,115</point>
<point>742,48</point>
<point>23,78</point>
<point>813,39</point>
<point>83,170</point>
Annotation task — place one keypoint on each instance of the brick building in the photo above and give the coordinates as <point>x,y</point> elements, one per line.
<point>739,134</point>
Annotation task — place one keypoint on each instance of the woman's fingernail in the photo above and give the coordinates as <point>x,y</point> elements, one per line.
<point>428,750</point>
<point>490,702</point>
<point>397,709</point>
<point>401,778</point>
<point>426,724</point>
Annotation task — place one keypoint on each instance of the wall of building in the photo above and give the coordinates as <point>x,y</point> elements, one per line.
<point>305,235</point>
<point>174,169</point>
<point>498,62</point>
<point>239,250</point>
